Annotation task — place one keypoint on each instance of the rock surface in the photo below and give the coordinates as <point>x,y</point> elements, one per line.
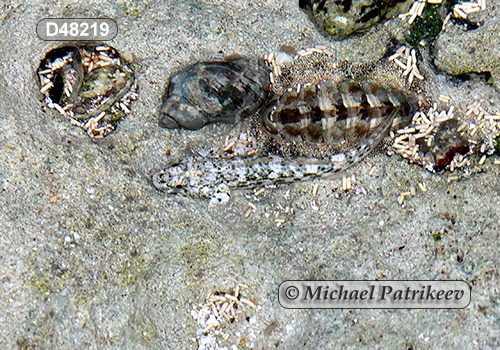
<point>92,256</point>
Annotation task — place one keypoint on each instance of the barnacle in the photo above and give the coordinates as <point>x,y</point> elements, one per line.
<point>90,85</point>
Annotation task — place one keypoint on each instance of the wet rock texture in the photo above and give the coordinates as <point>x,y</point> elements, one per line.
<point>458,52</point>
<point>93,257</point>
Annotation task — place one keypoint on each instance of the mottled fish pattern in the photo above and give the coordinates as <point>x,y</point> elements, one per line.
<point>355,117</point>
<point>351,117</point>
<point>204,177</point>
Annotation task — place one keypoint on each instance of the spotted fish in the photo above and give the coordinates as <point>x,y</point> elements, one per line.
<point>348,115</point>
<point>205,177</point>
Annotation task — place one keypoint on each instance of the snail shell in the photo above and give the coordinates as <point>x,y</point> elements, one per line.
<point>209,92</point>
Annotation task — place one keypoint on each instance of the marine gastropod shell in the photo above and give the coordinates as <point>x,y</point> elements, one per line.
<point>217,91</point>
<point>342,18</point>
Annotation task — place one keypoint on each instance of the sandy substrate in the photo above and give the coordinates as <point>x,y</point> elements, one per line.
<point>93,257</point>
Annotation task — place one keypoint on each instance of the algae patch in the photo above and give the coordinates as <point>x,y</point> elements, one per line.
<point>426,27</point>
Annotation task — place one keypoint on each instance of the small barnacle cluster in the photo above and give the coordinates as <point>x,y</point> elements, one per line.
<point>90,85</point>
<point>426,17</point>
<point>445,140</point>
<point>221,312</point>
